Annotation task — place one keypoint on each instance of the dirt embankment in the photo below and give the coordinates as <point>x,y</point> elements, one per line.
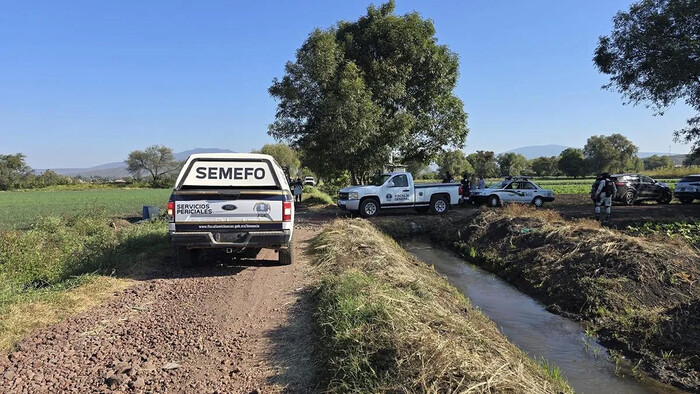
<point>640,294</point>
<point>389,323</point>
<point>228,327</point>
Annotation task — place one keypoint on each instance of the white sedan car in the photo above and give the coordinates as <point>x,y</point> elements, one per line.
<point>513,190</point>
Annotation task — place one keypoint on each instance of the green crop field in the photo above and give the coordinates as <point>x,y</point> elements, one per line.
<point>19,210</point>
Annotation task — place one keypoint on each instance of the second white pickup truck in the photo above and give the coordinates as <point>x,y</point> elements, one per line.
<point>397,190</point>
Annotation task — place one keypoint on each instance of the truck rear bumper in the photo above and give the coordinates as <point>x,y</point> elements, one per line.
<point>251,239</point>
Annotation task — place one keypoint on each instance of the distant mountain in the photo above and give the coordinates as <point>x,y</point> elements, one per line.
<point>118,169</point>
<point>534,151</point>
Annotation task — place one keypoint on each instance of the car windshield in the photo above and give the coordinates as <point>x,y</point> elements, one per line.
<point>381,179</point>
<point>499,185</point>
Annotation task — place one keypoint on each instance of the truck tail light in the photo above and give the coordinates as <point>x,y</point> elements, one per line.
<point>286,211</point>
<point>460,191</point>
<point>171,210</point>
<point>619,184</point>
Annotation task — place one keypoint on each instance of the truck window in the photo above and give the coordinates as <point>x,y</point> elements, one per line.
<point>400,181</point>
<point>380,180</point>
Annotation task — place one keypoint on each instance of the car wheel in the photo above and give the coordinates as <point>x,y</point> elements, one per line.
<point>439,205</point>
<point>665,198</point>
<point>286,255</point>
<point>686,200</point>
<point>628,198</point>
<point>494,201</point>
<point>187,258</point>
<point>538,202</point>
<point>369,208</point>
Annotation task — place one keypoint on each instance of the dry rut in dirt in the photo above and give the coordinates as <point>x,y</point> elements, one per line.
<point>216,328</point>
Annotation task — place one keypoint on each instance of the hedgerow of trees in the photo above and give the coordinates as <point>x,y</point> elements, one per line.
<point>16,174</point>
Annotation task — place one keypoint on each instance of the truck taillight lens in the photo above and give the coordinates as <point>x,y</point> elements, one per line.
<point>286,211</point>
<point>171,209</point>
<point>461,192</point>
<point>620,183</point>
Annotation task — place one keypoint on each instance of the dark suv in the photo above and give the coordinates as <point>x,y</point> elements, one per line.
<point>635,188</point>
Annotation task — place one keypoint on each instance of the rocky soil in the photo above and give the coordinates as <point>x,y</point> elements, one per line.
<point>226,326</point>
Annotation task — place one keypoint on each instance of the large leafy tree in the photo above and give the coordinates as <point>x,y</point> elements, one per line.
<point>545,166</point>
<point>484,163</point>
<point>512,163</point>
<point>655,161</point>
<point>13,169</point>
<point>454,162</point>
<point>364,90</point>
<point>614,153</point>
<point>572,162</point>
<point>653,56</point>
<point>156,160</point>
<point>284,155</point>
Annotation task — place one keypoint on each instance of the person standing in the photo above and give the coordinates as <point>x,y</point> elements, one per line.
<point>482,183</point>
<point>602,192</point>
<point>298,187</point>
<point>466,186</point>
<point>472,182</point>
<point>448,178</point>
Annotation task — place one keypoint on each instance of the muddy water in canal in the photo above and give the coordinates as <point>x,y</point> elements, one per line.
<point>526,323</point>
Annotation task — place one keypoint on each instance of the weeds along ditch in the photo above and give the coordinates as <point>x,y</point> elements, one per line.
<point>59,255</point>
<point>389,323</point>
<point>639,294</point>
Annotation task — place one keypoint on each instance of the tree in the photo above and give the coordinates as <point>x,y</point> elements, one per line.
<point>656,161</point>
<point>13,169</point>
<point>365,90</point>
<point>653,56</point>
<point>511,163</point>
<point>484,163</point>
<point>693,159</point>
<point>614,153</point>
<point>572,162</point>
<point>454,162</point>
<point>157,160</point>
<point>284,155</point>
<point>545,166</point>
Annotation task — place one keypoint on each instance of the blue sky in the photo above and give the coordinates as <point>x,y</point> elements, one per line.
<point>85,82</point>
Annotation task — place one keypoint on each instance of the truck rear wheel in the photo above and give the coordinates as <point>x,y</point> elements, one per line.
<point>369,208</point>
<point>286,255</point>
<point>187,257</point>
<point>439,205</point>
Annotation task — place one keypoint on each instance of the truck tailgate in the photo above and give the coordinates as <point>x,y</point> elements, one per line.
<point>224,214</point>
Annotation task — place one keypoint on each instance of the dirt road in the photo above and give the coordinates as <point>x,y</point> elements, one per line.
<point>227,327</point>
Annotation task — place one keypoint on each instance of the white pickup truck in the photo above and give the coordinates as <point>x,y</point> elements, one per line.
<point>397,190</point>
<point>238,202</point>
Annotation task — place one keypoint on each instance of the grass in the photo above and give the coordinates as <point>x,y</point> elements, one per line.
<point>64,265</point>
<point>312,196</point>
<point>390,323</point>
<point>20,209</point>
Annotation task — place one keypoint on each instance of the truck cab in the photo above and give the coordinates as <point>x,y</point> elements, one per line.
<point>240,203</point>
<point>398,190</point>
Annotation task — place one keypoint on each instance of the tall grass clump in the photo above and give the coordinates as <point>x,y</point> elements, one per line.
<point>314,196</point>
<point>389,323</point>
<point>56,249</point>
